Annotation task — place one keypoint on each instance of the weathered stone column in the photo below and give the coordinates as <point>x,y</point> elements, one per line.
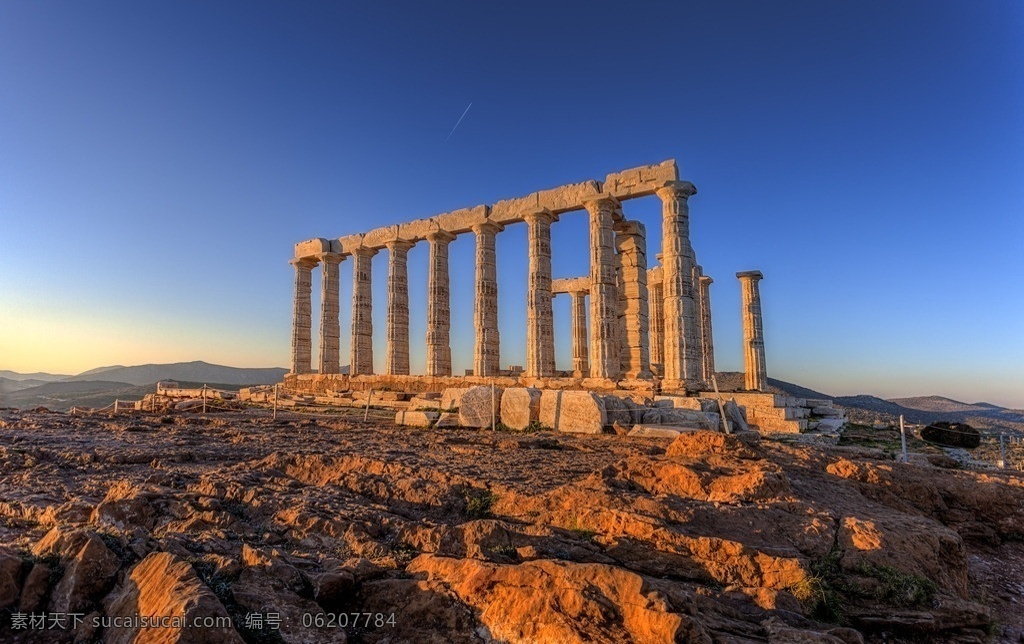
<point>631,243</point>
<point>330,325</point>
<point>580,363</point>
<point>604,354</point>
<point>302,343</point>
<point>707,339</point>
<point>361,358</point>
<point>657,317</point>
<point>540,332</point>
<point>396,354</point>
<point>682,367</point>
<point>485,310</point>
<point>753,333</point>
<point>439,349</point>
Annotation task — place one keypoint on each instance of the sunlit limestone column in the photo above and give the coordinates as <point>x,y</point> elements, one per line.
<point>396,354</point>
<point>604,354</point>
<point>657,320</point>
<point>631,243</point>
<point>439,350</point>
<point>580,363</point>
<point>753,333</point>
<point>707,339</point>
<point>695,332</point>
<point>302,343</point>
<point>681,366</point>
<point>361,358</point>
<point>485,310</point>
<point>330,325</point>
<point>540,332</point>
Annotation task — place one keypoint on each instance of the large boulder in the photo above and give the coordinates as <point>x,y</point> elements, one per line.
<point>163,586</point>
<point>520,406</point>
<point>87,577</point>
<point>480,406</point>
<point>952,434</point>
<point>579,412</point>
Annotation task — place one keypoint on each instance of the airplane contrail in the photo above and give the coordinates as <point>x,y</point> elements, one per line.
<point>459,121</point>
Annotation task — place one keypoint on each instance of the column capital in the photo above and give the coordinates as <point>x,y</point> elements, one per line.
<point>491,227</point>
<point>399,245</point>
<point>303,262</point>
<point>440,237</point>
<point>365,251</point>
<point>675,190</point>
<point>602,200</point>
<point>750,275</point>
<point>705,280</point>
<point>330,258</point>
<point>541,215</point>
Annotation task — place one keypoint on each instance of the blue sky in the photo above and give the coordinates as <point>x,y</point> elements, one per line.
<point>159,160</point>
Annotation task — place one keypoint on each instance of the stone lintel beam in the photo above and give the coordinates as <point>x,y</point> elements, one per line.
<point>570,285</point>
<point>312,248</point>
<point>642,181</point>
<point>556,200</point>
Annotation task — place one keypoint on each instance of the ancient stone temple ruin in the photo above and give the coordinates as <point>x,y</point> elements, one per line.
<point>646,355</point>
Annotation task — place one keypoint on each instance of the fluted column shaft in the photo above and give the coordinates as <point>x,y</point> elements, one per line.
<point>330,310</point>
<point>604,354</point>
<point>439,350</point>
<point>756,376</point>
<point>485,311</point>
<point>396,354</point>
<point>631,242</point>
<point>361,358</point>
<point>682,368</point>
<point>302,343</point>
<point>580,362</point>
<point>657,317</point>
<point>540,332</point>
<point>707,338</point>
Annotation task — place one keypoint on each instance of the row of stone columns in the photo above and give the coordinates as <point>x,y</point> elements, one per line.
<point>623,316</point>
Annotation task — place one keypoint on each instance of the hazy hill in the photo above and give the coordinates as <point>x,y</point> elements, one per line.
<point>14,384</point>
<point>197,371</point>
<point>62,396</point>
<point>942,404</point>
<point>41,377</point>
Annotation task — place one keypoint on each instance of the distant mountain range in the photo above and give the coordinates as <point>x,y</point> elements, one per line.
<point>197,371</point>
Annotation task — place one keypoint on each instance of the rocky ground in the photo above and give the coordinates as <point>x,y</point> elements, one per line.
<point>291,528</point>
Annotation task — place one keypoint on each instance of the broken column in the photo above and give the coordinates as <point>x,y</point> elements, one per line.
<point>485,309</point>
<point>302,343</point>
<point>604,354</point>
<point>682,369</point>
<point>439,350</point>
<point>540,332</point>
<point>330,325</point>
<point>630,241</point>
<point>753,333</point>
<point>707,341</point>
<point>361,358</point>
<point>396,354</point>
<point>580,363</point>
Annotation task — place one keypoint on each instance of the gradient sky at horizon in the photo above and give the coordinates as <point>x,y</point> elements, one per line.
<point>159,160</point>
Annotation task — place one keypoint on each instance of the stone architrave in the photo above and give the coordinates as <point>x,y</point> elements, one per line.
<point>630,240</point>
<point>540,332</point>
<point>580,362</point>
<point>361,358</point>
<point>330,311</point>
<point>396,360</point>
<point>604,354</point>
<point>485,311</point>
<point>756,376</point>
<point>439,350</point>
<point>707,338</point>
<point>302,342</point>
<point>682,369</point>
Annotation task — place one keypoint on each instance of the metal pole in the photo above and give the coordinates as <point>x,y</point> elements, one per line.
<point>903,440</point>
<point>204,399</point>
<point>369,397</point>
<point>494,424</point>
<point>1002,453</point>
<point>275,402</point>
<point>721,407</point>
<point>115,405</point>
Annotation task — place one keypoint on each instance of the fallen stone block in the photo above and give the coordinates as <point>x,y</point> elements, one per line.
<point>416,418</point>
<point>451,398</point>
<point>480,406</point>
<point>830,424</point>
<point>520,406</point>
<point>580,412</point>
<point>447,419</point>
<point>659,431</point>
<point>737,423</point>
